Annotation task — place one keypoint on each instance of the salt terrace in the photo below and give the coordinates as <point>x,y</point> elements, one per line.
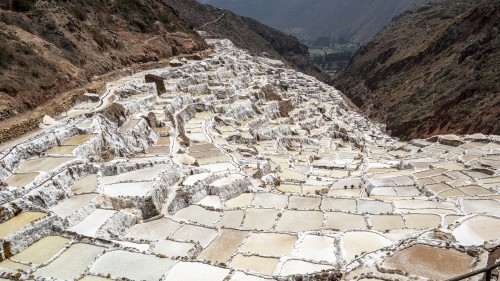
<point>243,169</point>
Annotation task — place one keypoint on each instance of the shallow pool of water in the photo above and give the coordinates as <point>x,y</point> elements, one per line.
<point>224,246</point>
<point>298,221</point>
<point>260,219</point>
<point>42,250</point>
<point>43,164</point>
<point>21,180</point>
<point>269,244</point>
<point>354,243</point>
<point>18,222</point>
<point>194,271</point>
<point>85,185</point>
<point>254,263</point>
<point>78,139</point>
<point>72,263</point>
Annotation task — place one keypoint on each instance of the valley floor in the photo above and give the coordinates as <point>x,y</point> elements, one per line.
<point>242,169</point>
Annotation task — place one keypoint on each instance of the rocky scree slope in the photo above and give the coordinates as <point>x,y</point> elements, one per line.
<point>49,47</point>
<point>432,70</point>
<point>248,34</point>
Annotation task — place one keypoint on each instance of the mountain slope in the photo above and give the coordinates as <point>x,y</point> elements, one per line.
<point>434,70</point>
<point>49,47</point>
<point>352,20</point>
<point>248,34</point>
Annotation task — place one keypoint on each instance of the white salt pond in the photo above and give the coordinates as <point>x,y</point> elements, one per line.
<point>153,230</point>
<point>197,214</point>
<point>298,221</point>
<point>195,233</point>
<point>68,206</point>
<point>135,266</point>
<point>128,188</point>
<point>146,174</point>
<point>169,248</point>
<point>72,263</point>
<point>477,230</point>
<point>78,139</point>
<point>193,271</point>
<point>355,243</point>
<point>91,224</point>
<point>318,248</point>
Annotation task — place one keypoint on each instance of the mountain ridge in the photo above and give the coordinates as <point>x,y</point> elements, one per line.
<point>442,77</point>
<point>353,21</point>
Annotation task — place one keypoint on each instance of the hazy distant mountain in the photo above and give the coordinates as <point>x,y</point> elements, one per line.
<point>350,20</point>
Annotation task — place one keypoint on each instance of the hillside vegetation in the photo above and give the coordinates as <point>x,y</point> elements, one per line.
<point>432,70</point>
<point>49,47</point>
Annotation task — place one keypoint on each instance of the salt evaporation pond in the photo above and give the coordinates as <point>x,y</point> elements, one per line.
<point>42,250</point>
<point>431,262</point>
<point>21,180</point>
<point>18,222</point>
<point>43,164</point>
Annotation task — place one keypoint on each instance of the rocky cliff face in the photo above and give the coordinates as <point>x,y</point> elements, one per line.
<point>49,47</point>
<point>432,70</point>
<point>248,34</point>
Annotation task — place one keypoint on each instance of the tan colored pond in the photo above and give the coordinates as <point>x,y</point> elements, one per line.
<point>387,222</point>
<point>298,221</point>
<point>254,263</point>
<point>85,185</point>
<point>231,219</point>
<point>421,221</point>
<point>355,243</point>
<point>21,180</point>
<point>431,262</point>
<point>72,263</point>
<point>224,246</point>
<point>270,200</point>
<point>241,201</point>
<point>304,203</point>
<point>269,244</point>
<point>42,250</point>
<point>43,164</point>
<point>158,149</point>
<point>8,264</point>
<point>338,204</point>
<point>260,219</point>
<point>62,149</point>
<point>18,222</point>
<point>78,139</point>
<point>344,221</point>
<point>289,188</point>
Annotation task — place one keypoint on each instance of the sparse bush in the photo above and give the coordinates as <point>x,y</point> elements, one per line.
<point>5,57</point>
<point>23,5</point>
